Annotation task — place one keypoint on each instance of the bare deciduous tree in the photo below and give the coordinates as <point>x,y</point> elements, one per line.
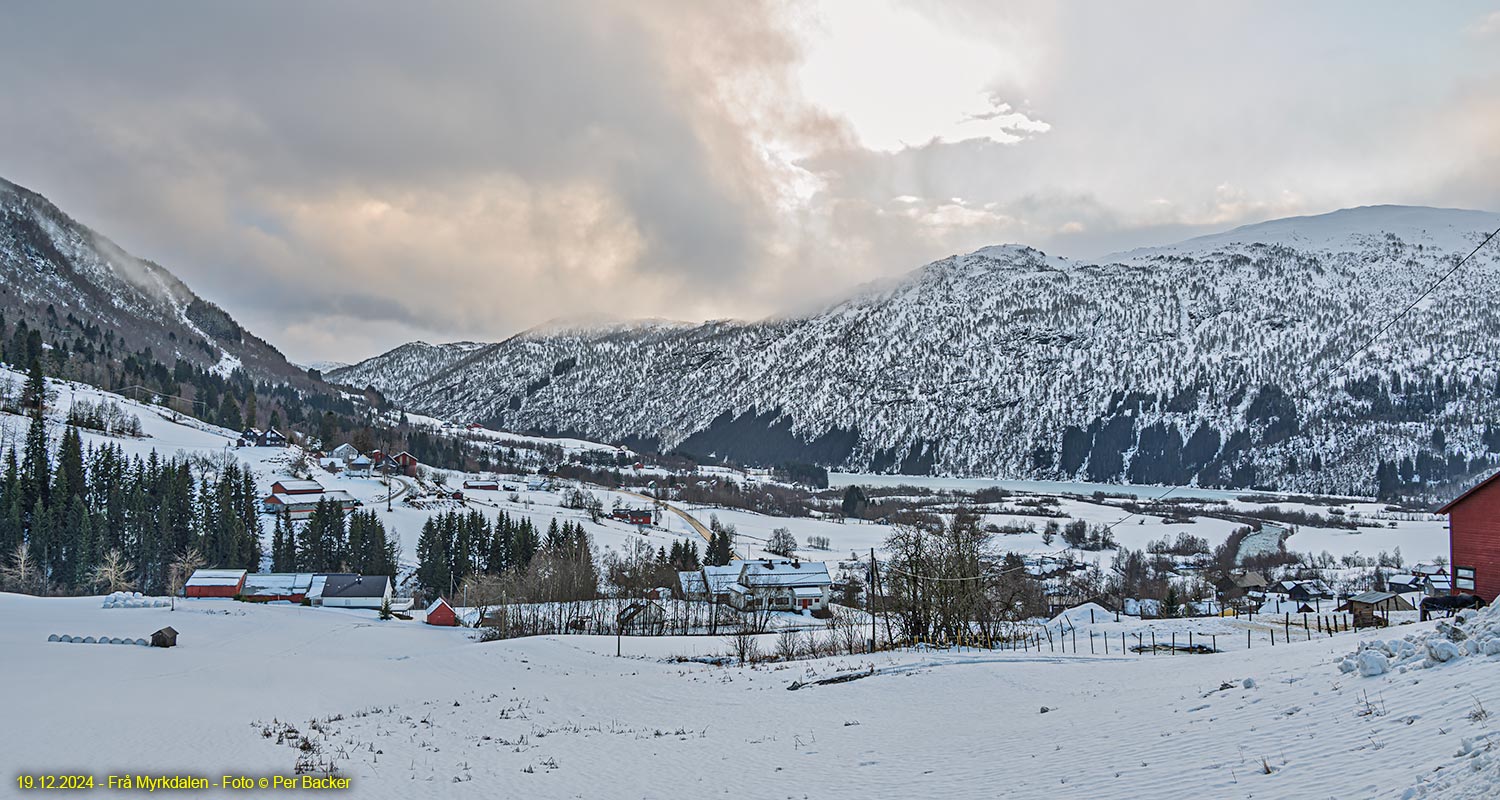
<point>21,572</point>
<point>112,574</point>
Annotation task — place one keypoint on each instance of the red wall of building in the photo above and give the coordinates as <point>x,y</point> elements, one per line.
<point>441,615</point>
<point>1474,540</point>
<point>212,591</point>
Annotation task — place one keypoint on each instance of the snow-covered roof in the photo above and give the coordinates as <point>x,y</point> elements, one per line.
<point>299,486</point>
<point>692,582</point>
<point>216,577</point>
<point>785,572</point>
<point>807,591</point>
<point>720,578</point>
<point>360,461</point>
<point>337,495</point>
<point>1405,580</point>
<point>264,583</point>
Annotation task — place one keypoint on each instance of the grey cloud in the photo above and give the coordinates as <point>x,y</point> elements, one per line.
<point>342,174</point>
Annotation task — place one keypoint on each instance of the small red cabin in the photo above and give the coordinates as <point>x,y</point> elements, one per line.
<point>1474,539</point>
<point>440,613</point>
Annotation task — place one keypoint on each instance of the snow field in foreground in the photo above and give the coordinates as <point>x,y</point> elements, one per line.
<point>406,709</point>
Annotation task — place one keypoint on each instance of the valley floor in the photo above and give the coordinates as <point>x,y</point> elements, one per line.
<point>406,710</point>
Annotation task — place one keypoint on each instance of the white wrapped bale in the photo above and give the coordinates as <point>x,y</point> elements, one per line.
<point>88,640</point>
<point>54,638</point>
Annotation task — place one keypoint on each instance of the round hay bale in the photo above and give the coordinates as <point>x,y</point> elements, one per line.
<point>88,640</point>
<point>65,638</point>
<point>136,595</point>
<point>53,638</point>
<point>142,642</point>
<point>116,640</point>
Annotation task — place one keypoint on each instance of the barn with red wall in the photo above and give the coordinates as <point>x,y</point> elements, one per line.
<point>214,583</point>
<point>1474,539</point>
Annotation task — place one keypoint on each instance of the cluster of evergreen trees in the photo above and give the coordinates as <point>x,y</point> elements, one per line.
<point>720,549</point>
<point>331,541</point>
<point>64,511</point>
<point>455,545</point>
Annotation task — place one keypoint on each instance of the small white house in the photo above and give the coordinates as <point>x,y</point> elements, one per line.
<point>345,452</point>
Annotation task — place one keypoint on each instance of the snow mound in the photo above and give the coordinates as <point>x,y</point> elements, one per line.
<point>1468,633</point>
<point>1087,614</point>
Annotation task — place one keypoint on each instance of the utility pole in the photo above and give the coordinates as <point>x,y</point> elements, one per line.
<point>870,604</point>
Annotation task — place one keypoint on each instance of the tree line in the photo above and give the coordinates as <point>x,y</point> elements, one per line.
<point>67,510</point>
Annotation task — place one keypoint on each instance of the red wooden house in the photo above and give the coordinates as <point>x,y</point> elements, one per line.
<point>407,461</point>
<point>635,516</point>
<point>1474,539</point>
<point>440,613</point>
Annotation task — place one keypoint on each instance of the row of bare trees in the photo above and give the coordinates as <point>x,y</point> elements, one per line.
<point>945,582</point>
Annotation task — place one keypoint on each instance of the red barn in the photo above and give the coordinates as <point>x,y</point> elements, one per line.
<point>1474,539</point>
<point>440,613</point>
<point>214,583</point>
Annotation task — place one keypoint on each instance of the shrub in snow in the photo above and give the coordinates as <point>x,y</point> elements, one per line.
<point>1250,683</point>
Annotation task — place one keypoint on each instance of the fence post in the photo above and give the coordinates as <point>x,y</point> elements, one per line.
<point>1247,638</point>
<point>1153,643</point>
<point>1173,651</point>
<point>1091,642</point>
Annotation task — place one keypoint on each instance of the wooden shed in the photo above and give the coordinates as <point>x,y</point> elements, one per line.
<point>440,613</point>
<point>166,637</point>
<point>1373,609</point>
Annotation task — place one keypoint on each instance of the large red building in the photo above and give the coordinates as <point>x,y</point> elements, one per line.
<point>214,583</point>
<point>1474,539</point>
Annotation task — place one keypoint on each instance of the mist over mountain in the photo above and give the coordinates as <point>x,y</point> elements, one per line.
<point>83,292</point>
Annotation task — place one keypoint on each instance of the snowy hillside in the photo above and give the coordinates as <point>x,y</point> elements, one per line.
<point>1205,362</point>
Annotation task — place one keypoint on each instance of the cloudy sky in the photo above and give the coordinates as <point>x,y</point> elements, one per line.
<point>343,177</point>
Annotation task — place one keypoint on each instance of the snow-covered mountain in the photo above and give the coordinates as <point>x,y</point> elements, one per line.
<point>1216,360</point>
<point>82,290</point>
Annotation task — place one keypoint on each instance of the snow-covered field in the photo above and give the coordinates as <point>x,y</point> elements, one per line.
<point>407,710</point>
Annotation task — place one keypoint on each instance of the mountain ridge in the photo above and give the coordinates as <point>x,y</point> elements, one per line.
<point>1211,337</point>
